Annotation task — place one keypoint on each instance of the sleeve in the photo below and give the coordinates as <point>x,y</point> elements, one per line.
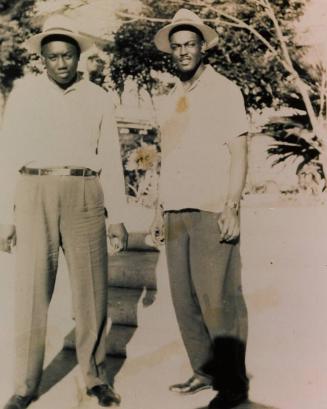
<point>10,160</point>
<point>236,121</point>
<point>112,175</point>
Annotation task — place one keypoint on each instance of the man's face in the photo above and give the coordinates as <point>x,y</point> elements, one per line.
<point>186,48</point>
<point>61,60</point>
<point>95,64</point>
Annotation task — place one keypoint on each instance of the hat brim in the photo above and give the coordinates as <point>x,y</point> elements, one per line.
<point>161,39</point>
<point>33,44</point>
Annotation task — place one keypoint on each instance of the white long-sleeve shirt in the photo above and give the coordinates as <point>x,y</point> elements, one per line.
<point>45,126</point>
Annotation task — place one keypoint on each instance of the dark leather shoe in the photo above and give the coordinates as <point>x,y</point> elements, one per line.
<point>105,394</point>
<point>192,385</point>
<point>228,400</point>
<point>19,402</point>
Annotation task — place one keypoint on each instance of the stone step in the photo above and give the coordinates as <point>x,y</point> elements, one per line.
<point>132,282</point>
<point>139,241</point>
<point>133,269</point>
<point>123,304</point>
<point>118,338</point>
<point>123,308</point>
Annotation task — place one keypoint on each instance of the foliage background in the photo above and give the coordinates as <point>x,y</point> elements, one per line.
<point>250,52</point>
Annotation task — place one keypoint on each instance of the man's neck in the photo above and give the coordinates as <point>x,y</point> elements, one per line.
<point>66,85</point>
<point>188,78</point>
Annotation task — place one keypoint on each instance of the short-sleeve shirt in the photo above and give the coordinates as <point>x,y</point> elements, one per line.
<point>196,127</point>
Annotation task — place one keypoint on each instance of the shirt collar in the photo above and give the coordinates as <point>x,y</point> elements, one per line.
<point>80,80</point>
<point>205,75</point>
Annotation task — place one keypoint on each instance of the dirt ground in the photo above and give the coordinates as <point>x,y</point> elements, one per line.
<point>284,280</point>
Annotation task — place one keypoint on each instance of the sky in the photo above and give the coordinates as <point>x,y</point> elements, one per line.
<point>97,17</point>
<point>312,30</point>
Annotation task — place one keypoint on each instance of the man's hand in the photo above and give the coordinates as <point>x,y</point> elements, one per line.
<point>157,230</point>
<point>7,237</point>
<point>229,224</point>
<point>118,237</point>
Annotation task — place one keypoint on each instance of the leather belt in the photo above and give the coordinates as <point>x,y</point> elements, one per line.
<point>184,210</point>
<point>65,171</point>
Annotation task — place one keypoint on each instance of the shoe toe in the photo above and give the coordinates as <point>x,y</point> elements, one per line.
<point>105,394</point>
<point>193,385</point>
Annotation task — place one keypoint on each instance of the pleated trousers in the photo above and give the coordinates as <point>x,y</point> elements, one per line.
<point>54,212</point>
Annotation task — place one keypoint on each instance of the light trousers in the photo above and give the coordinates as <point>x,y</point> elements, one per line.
<point>205,281</point>
<point>53,212</point>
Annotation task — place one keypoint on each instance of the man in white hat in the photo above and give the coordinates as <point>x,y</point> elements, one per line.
<point>59,133</point>
<point>204,160</point>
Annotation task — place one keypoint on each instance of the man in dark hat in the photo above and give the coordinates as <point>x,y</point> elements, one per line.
<point>59,133</point>
<point>204,157</point>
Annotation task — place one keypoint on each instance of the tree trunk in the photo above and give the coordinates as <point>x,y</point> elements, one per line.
<point>3,98</point>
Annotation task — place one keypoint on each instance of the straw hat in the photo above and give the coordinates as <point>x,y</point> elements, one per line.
<point>62,25</point>
<point>181,18</point>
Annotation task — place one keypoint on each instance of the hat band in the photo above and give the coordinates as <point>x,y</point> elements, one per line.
<point>58,28</point>
<point>187,19</point>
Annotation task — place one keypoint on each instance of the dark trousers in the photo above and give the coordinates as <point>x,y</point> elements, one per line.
<point>205,280</point>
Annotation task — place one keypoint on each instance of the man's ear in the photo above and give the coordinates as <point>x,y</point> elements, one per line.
<point>203,47</point>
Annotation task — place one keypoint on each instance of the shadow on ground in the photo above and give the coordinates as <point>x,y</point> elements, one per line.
<point>132,285</point>
<point>58,368</point>
<point>66,361</point>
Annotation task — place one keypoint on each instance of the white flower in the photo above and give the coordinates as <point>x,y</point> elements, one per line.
<point>143,158</point>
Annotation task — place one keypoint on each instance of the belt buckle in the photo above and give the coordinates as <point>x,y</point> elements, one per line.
<point>58,172</point>
<point>66,171</point>
<point>75,172</point>
<point>88,172</point>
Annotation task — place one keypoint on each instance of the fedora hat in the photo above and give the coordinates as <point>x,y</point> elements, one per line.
<point>62,25</point>
<point>181,18</point>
